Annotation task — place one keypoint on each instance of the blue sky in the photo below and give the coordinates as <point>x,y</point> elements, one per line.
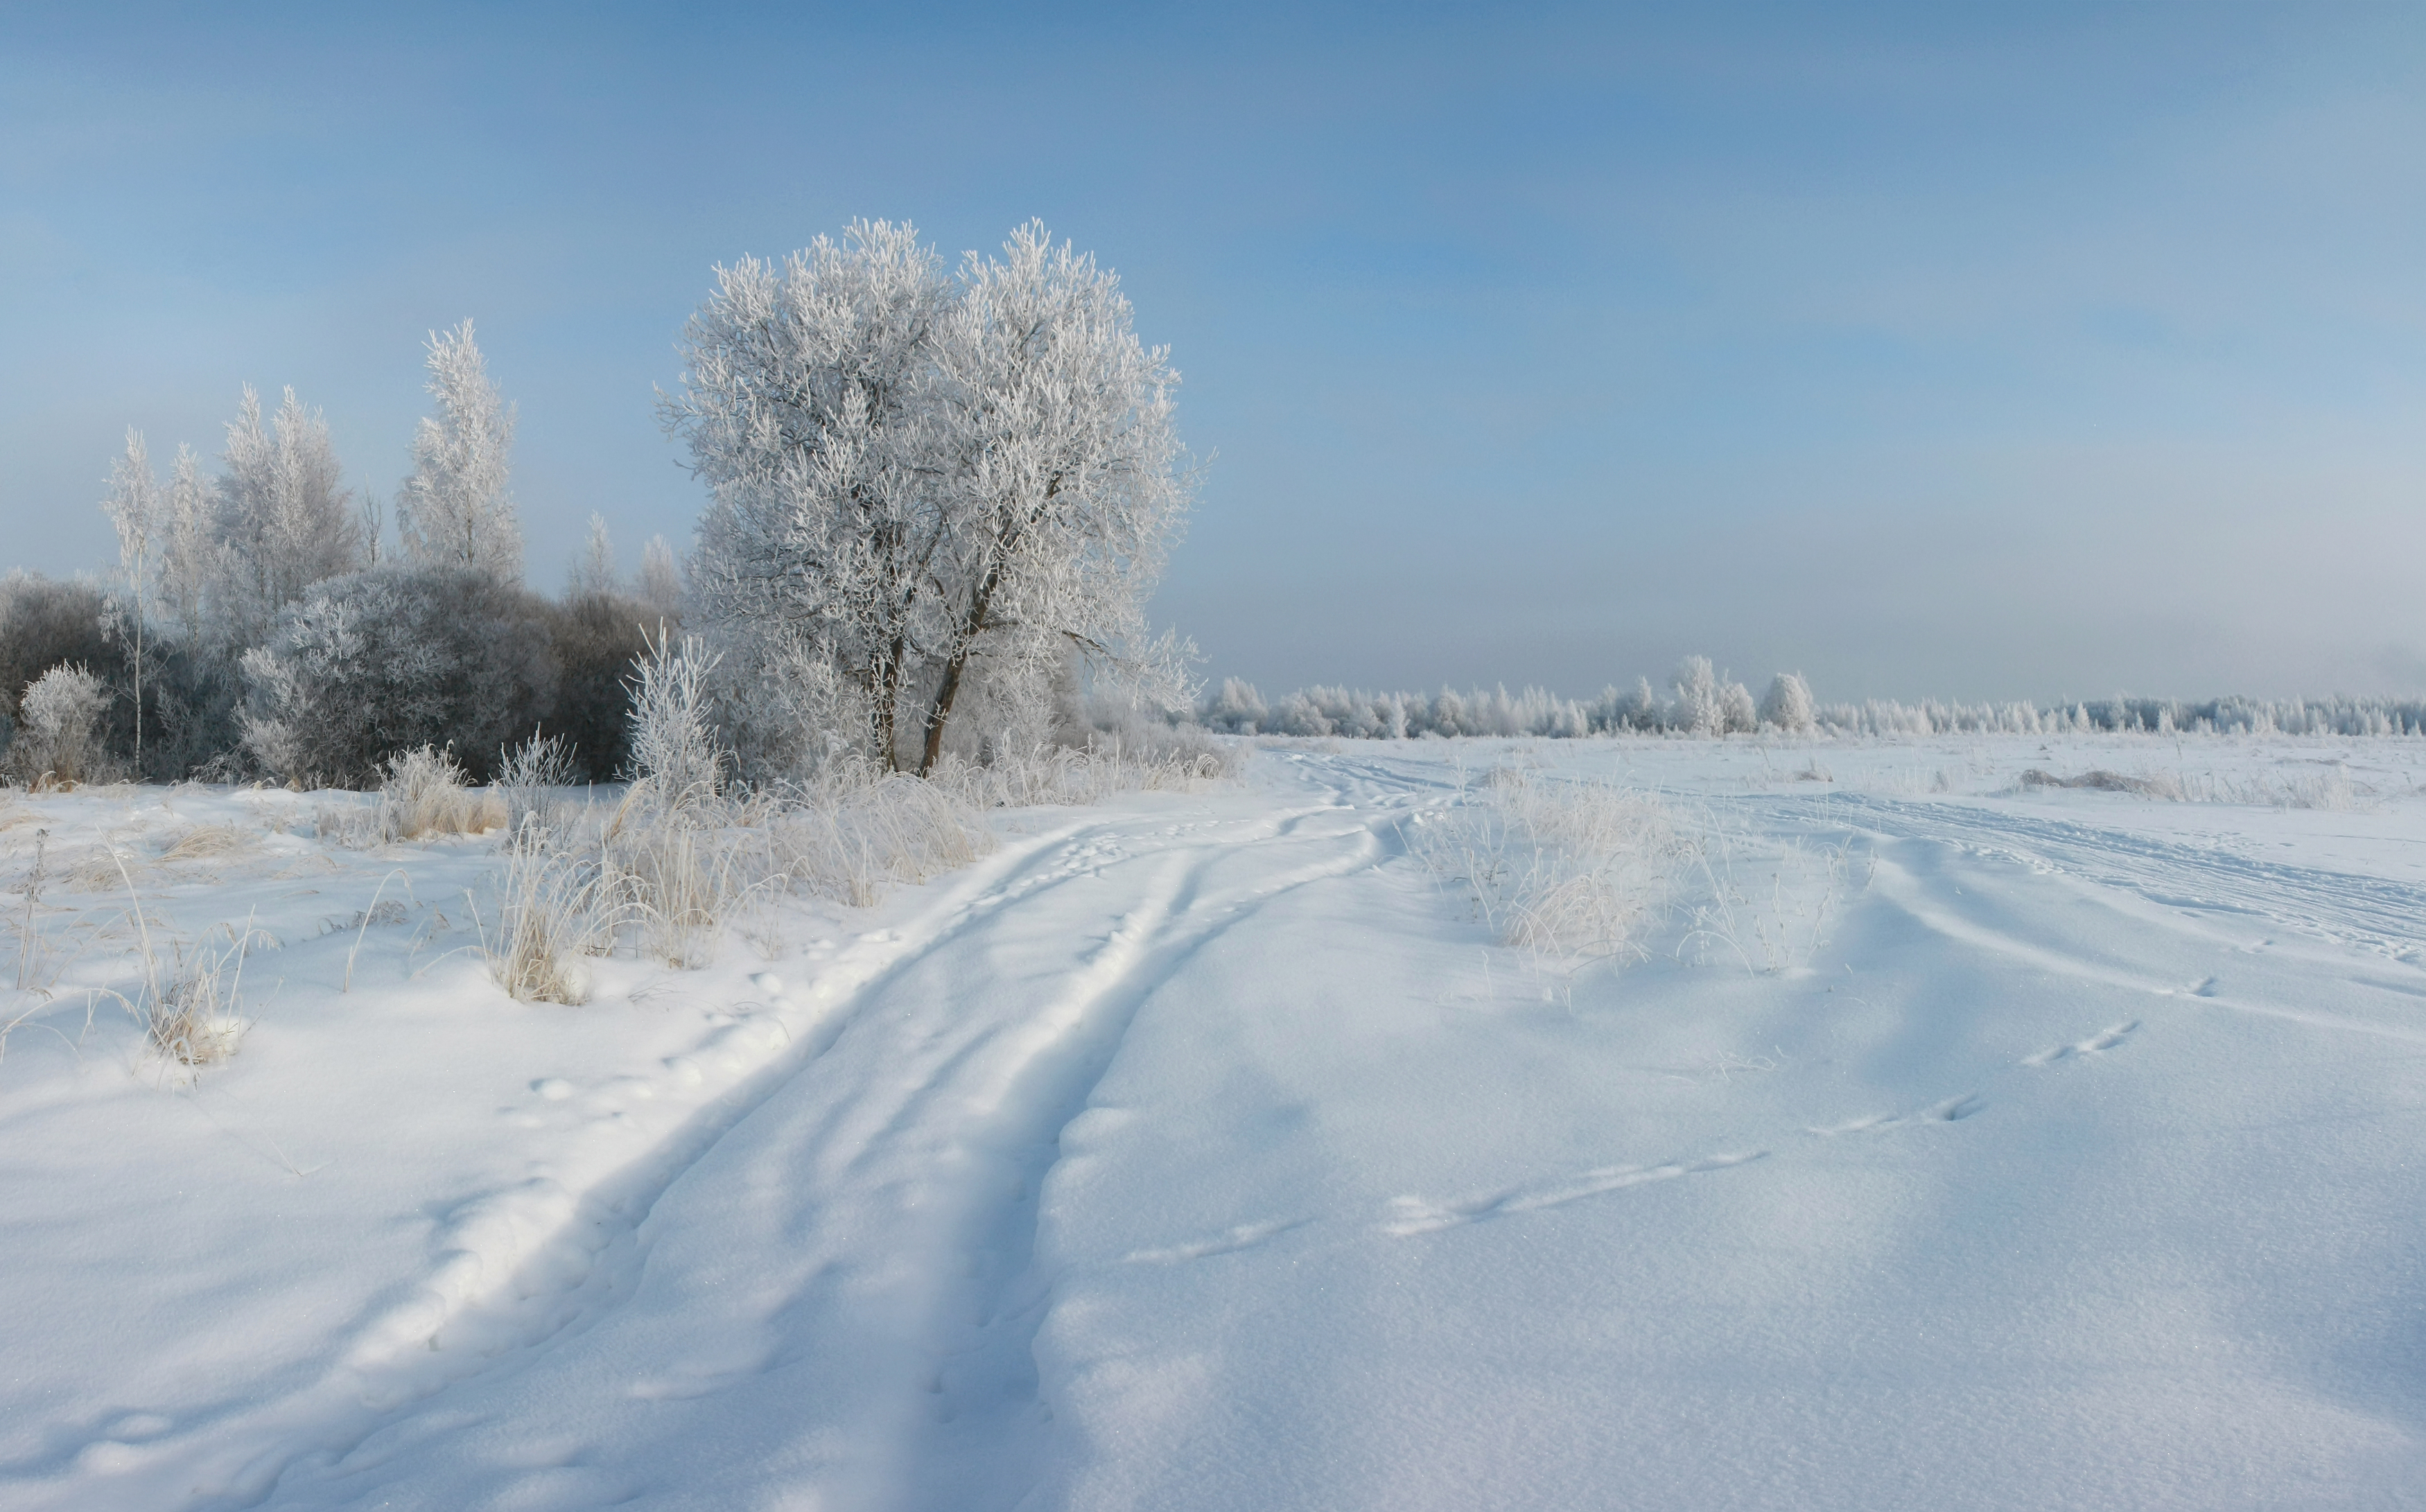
<point>1963,351</point>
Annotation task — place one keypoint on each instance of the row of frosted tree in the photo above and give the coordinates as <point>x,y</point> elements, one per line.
<point>1707,704</point>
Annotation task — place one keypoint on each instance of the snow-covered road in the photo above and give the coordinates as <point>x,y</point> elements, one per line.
<point>1202,1152</point>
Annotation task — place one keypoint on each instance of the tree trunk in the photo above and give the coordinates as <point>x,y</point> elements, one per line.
<point>951,688</point>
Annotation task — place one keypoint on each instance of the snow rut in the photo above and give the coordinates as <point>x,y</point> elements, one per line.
<point>2374,914</point>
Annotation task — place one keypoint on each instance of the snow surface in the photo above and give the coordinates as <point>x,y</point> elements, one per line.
<point>1203,1151</point>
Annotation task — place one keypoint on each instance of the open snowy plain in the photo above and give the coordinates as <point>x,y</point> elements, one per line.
<point>1939,1141</point>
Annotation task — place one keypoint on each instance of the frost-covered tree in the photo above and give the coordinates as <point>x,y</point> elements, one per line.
<point>1738,714</point>
<point>923,487</point>
<point>1066,491</point>
<point>1239,709</point>
<point>1698,710</point>
<point>1787,704</point>
<point>134,507</point>
<point>593,570</point>
<point>455,510</point>
<point>188,559</point>
<point>810,409</point>
<point>660,579</point>
<point>284,521</point>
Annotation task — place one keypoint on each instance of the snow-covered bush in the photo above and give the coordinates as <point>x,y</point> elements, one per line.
<point>1569,868</point>
<point>46,623</point>
<point>57,736</point>
<point>1787,704</point>
<point>381,662</point>
<point>193,1013</point>
<point>528,778</point>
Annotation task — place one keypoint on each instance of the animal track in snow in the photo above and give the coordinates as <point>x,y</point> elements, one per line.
<point>1414,1214</point>
<point>1245,1236</point>
<point>1952,1110</point>
<point>2096,1044</point>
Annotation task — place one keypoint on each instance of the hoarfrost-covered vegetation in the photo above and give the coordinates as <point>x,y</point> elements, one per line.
<point>937,502</point>
<point>1705,704</point>
<point>933,499</point>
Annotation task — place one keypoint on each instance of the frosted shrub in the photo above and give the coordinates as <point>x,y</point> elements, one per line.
<point>377,663</point>
<point>555,906</point>
<point>527,777</point>
<point>1736,713</point>
<point>194,1017</point>
<point>675,755</point>
<point>1566,868</point>
<point>57,736</point>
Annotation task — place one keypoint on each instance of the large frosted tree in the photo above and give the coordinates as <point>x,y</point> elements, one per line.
<point>1065,490</point>
<point>915,479</point>
<point>810,409</point>
<point>455,510</point>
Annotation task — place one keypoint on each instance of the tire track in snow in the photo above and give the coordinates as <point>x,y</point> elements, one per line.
<point>969,1096</point>
<point>2177,877</point>
<point>978,1444</point>
<point>518,1270</point>
<point>2373,913</point>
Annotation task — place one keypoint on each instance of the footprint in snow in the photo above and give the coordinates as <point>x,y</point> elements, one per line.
<point>1245,1236</point>
<point>2096,1044</point>
<point>1413,1215</point>
<point>1953,1110</point>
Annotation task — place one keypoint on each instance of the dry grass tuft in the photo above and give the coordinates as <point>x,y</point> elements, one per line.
<point>193,1018</point>
<point>205,841</point>
<point>553,907</point>
<point>422,794</point>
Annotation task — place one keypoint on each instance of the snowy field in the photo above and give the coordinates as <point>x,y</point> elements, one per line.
<point>1937,1139</point>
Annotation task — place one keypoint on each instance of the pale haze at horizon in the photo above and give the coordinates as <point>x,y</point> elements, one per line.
<point>2018,357</point>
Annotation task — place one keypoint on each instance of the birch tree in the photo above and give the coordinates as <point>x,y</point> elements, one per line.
<point>285,520</point>
<point>455,510</point>
<point>660,579</point>
<point>134,507</point>
<point>189,559</point>
<point>593,571</point>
